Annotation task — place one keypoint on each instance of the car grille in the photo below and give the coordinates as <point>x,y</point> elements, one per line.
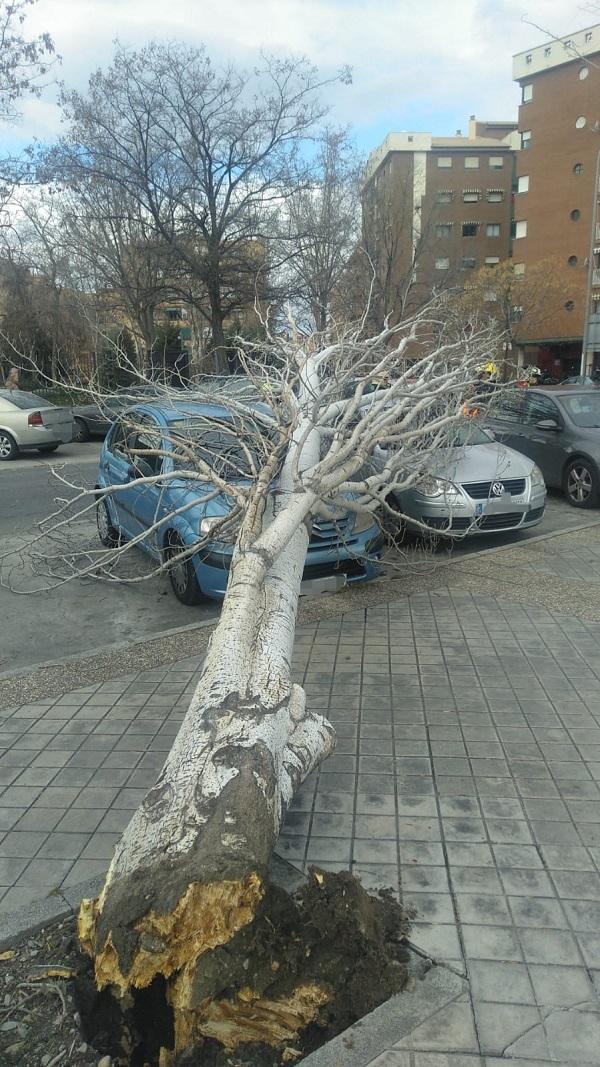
<point>481,490</point>
<point>327,533</point>
<point>484,522</point>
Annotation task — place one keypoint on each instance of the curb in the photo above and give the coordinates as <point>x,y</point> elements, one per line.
<point>521,544</point>
<point>14,925</point>
<point>92,660</point>
<point>120,646</point>
<point>431,987</point>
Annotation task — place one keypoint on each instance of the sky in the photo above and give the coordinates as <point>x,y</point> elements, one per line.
<point>416,64</point>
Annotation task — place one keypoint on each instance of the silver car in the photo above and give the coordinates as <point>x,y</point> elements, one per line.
<point>29,422</point>
<point>477,486</point>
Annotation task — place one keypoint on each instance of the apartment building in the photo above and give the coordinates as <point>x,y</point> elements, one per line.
<point>557,219</point>
<point>437,208</point>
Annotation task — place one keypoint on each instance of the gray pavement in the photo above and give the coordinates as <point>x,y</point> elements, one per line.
<point>51,623</point>
<point>467,771</point>
<point>85,615</point>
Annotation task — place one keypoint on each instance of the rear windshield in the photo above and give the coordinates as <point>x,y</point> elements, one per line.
<point>584,409</point>
<point>23,400</point>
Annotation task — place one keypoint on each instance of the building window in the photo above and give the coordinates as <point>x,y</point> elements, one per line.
<point>575,215</point>
<point>468,263</point>
<point>445,196</point>
<point>568,43</point>
<point>442,263</point>
<point>173,314</point>
<point>471,162</point>
<point>580,122</point>
<point>583,73</point>
<point>572,261</point>
<point>526,139</point>
<point>492,261</point>
<point>596,303</point>
<point>469,229</point>
<point>528,58</point>
<point>519,268</point>
<point>471,196</point>
<point>578,168</point>
<point>492,229</point>
<point>496,162</point>
<point>520,229</point>
<point>443,229</point>
<point>570,305</point>
<point>526,93</point>
<point>495,196</point>
<point>547,51</point>
<point>588,37</point>
<point>444,161</point>
<point>523,184</point>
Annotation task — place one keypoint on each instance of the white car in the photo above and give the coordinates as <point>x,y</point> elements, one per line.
<point>29,422</point>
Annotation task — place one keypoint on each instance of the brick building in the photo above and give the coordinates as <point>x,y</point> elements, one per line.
<point>437,208</point>
<point>556,214</point>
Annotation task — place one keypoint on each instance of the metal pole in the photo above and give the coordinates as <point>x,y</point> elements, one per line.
<point>588,302</point>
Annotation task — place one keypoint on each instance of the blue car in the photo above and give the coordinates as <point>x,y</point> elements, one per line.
<point>180,512</point>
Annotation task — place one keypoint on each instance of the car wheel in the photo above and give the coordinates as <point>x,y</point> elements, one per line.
<point>48,448</point>
<point>581,484</point>
<point>9,448</point>
<point>81,431</point>
<point>108,534</point>
<point>182,574</point>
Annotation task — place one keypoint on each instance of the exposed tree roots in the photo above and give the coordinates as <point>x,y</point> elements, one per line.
<point>243,977</point>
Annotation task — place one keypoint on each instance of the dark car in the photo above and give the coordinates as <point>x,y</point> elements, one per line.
<point>558,427</point>
<point>94,419</point>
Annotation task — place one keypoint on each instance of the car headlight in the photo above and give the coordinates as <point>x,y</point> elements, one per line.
<point>207,524</point>
<point>364,521</point>
<point>537,478</point>
<point>433,487</point>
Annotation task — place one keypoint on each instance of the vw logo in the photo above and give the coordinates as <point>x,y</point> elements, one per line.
<point>496,488</point>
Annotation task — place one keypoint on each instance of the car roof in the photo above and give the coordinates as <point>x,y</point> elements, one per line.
<point>174,411</point>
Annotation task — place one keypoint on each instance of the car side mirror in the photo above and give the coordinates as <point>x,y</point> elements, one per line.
<point>550,425</point>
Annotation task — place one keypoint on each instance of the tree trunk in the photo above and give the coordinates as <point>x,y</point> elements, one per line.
<point>190,871</point>
<point>187,916</point>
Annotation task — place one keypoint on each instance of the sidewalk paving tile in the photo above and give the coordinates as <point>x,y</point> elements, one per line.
<point>467,770</point>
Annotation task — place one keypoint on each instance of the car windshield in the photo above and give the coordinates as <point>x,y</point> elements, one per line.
<point>584,408</point>
<point>232,450</point>
<point>470,435</point>
<point>23,400</point>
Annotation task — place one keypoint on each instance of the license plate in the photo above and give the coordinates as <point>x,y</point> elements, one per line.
<point>495,506</point>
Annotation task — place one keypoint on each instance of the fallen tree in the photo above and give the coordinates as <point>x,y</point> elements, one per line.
<point>188,928</point>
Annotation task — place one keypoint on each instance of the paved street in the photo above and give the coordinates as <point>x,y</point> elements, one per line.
<point>81,615</point>
<point>467,770</point>
<point>84,615</point>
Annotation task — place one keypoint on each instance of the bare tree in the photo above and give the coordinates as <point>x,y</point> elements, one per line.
<point>397,237</point>
<point>322,217</point>
<point>118,257</point>
<point>205,153</point>
<point>187,913</point>
<point>25,67</point>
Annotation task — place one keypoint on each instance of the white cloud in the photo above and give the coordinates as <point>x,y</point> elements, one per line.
<point>419,66</point>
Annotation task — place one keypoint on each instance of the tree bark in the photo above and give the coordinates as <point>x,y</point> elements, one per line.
<point>190,871</point>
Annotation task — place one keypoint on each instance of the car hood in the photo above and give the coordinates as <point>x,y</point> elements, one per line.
<point>479,463</point>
